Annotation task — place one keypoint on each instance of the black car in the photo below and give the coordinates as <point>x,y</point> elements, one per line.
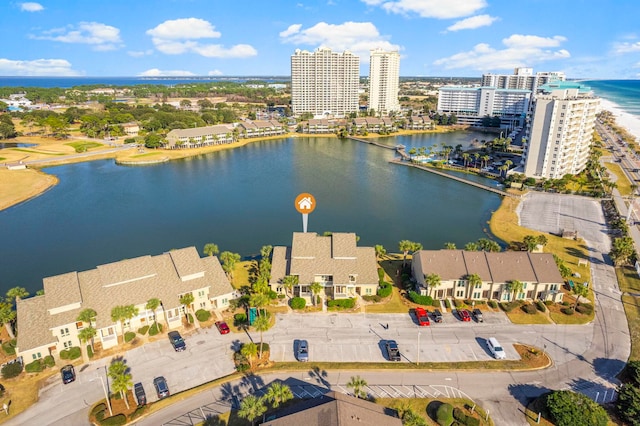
<point>68,374</point>
<point>141,396</point>
<point>162,389</point>
<point>392,350</point>
<point>437,315</point>
<point>477,314</point>
<point>177,341</point>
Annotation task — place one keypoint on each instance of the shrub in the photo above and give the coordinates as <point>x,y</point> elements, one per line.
<point>240,318</point>
<point>444,415</point>
<point>457,303</point>
<point>419,299</point>
<point>9,347</point>
<point>138,412</point>
<point>64,354</point>
<point>155,329</point>
<point>281,296</point>
<point>190,318</point>
<point>584,309</point>
<point>129,336</point>
<point>380,274</point>
<point>298,303</point>
<point>548,302</point>
<point>541,306</point>
<point>372,298</point>
<point>567,311</point>
<point>242,367</point>
<point>98,411</point>
<point>435,303</point>
<point>89,351</point>
<point>34,367</point>
<point>342,303</point>
<point>11,370</point>
<point>447,304</point>
<point>143,330</point>
<point>203,315</point>
<point>509,306</point>
<point>117,420</point>
<point>75,352</point>
<point>565,303</point>
<point>272,295</point>
<point>463,419</point>
<point>493,304</point>
<point>385,290</point>
<point>529,309</point>
<point>49,361</point>
<point>130,140</point>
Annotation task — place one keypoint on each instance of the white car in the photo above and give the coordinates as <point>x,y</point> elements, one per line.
<point>495,348</point>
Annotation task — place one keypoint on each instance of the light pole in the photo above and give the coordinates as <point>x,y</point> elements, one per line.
<point>104,388</point>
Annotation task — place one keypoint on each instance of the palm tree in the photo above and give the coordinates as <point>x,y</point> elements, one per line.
<point>249,350</point>
<point>265,252</point>
<point>515,287</point>
<point>16,292</point>
<point>121,379</point>
<point>289,282</point>
<point>85,336</point>
<point>580,290</point>
<point>465,158</point>
<point>433,281</point>
<point>262,324</point>
<point>229,261</point>
<point>152,305</point>
<point>251,408</point>
<point>130,311</point>
<point>7,316</point>
<point>186,300</point>
<point>210,249</point>
<point>118,315</point>
<point>474,280</point>
<point>406,246</point>
<point>380,251</point>
<point>358,384</point>
<point>449,246</point>
<point>315,288</point>
<point>87,316</point>
<point>277,393</point>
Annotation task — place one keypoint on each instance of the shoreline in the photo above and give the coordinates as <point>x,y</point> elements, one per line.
<point>623,119</point>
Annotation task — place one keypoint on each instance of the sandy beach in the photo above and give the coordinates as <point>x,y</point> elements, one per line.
<point>623,119</point>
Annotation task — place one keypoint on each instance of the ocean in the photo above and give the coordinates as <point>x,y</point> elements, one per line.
<point>68,82</point>
<point>624,93</point>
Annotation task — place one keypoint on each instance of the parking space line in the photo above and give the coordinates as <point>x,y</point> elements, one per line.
<point>398,392</point>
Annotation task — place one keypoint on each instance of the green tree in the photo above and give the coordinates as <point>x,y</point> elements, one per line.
<point>623,251</point>
<point>531,242</point>
<point>433,281</point>
<point>580,289</point>
<point>380,251</point>
<point>14,293</point>
<point>210,249</point>
<point>569,408</point>
<point>152,305</point>
<point>229,261</point>
<point>485,244</point>
<point>7,316</point>
<point>474,280</point>
<point>515,287</point>
<point>289,282</point>
<point>628,404</point>
<point>358,384</point>
<point>87,316</point>
<point>265,252</point>
<point>471,246</point>
<point>249,350</point>
<point>121,379</point>
<point>251,408</point>
<point>315,288</point>
<point>277,393</point>
<point>186,300</point>
<point>85,336</point>
<point>449,246</point>
<point>407,246</point>
<point>262,324</point>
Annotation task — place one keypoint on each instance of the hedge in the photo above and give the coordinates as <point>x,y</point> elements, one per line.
<point>143,330</point>
<point>155,329</point>
<point>419,299</point>
<point>342,303</point>
<point>529,308</point>
<point>298,303</point>
<point>509,306</point>
<point>11,370</point>
<point>240,318</point>
<point>203,315</point>
<point>447,304</point>
<point>75,352</point>
<point>190,318</point>
<point>272,295</point>
<point>548,302</point>
<point>129,336</point>
<point>444,415</point>
<point>98,411</point>
<point>463,419</point>
<point>567,311</point>
<point>89,351</point>
<point>49,361</point>
<point>34,367</point>
<point>584,309</point>
<point>541,306</point>
<point>385,290</point>
<point>117,420</point>
<point>435,303</point>
<point>380,274</point>
<point>9,347</point>
<point>458,303</point>
<point>493,304</point>
<point>372,298</point>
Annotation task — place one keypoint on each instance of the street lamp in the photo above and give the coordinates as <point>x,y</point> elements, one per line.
<point>104,388</point>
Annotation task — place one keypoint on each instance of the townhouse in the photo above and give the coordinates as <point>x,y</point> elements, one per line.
<point>49,323</point>
<point>336,262</point>
<point>537,272</point>
<point>261,128</point>
<point>201,136</point>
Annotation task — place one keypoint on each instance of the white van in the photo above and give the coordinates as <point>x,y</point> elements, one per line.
<point>495,348</point>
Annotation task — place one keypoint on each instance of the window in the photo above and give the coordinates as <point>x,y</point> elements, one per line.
<point>461,284</point>
<point>36,356</point>
<point>64,332</point>
<point>367,291</point>
<point>476,295</point>
<point>79,325</point>
<point>68,344</point>
<point>460,293</point>
<point>201,293</point>
<point>225,301</point>
<point>352,278</point>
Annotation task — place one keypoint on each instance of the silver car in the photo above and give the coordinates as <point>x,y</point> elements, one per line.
<point>303,351</point>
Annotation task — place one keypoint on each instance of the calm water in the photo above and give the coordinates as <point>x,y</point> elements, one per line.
<point>241,200</point>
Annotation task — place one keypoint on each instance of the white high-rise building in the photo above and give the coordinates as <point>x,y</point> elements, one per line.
<point>324,83</point>
<point>384,78</point>
<point>560,132</point>
<point>522,78</point>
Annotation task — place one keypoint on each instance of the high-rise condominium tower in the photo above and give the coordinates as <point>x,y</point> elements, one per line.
<point>384,75</point>
<point>324,83</point>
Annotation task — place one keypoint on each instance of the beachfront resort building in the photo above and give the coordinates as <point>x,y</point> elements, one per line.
<point>384,78</point>
<point>324,83</point>
<point>49,323</point>
<point>559,131</point>
<point>472,104</point>
<point>343,269</point>
<point>522,78</point>
<point>538,273</point>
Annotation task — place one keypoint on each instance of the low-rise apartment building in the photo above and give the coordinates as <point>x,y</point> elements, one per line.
<point>336,262</point>
<point>537,272</point>
<point>201,136</point>
<point>49,323</point>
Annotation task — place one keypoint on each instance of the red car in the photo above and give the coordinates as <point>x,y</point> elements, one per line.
<point>465,315</point>
<point>422,316</point>
<point>222,326</point>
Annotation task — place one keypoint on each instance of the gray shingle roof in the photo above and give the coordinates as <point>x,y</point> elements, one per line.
<point>34,325</point>
<point>62,290</point>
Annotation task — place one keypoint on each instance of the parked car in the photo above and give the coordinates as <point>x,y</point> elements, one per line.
<point>393,353</point>
<point>422,317</point>
<point>464,315</point>
<point>495,348</point>
<point>222,327</point>
<point>477,315</point>
<point>177,341</point>
<point>437,315</point>
<point>141,396</point>
<point>303,351</point>
<point>68,374</point>
<point>162,389</point>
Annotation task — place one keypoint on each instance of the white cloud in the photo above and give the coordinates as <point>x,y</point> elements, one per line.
<point>155,72</point>
<point>215,73</point>
<point>357,37</point>
<point>100,36</point>
<point>38,67</point>
<point>626,47</point>
<point>520,50</point>
<point>139,53</point>
<point>178,36</point>
<point>473,22</point>
<point>439,9</point>
<point>293,29</point>
<point>31,7</point>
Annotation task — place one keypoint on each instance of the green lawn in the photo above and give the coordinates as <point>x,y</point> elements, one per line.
<point>630,286</point>
<point>622,183</point>
<point>83,146</point>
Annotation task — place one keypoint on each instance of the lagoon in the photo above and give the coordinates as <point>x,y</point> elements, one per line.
<point>240,199</point>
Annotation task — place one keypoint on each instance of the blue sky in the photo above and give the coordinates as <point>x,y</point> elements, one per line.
<point>583,38</point>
